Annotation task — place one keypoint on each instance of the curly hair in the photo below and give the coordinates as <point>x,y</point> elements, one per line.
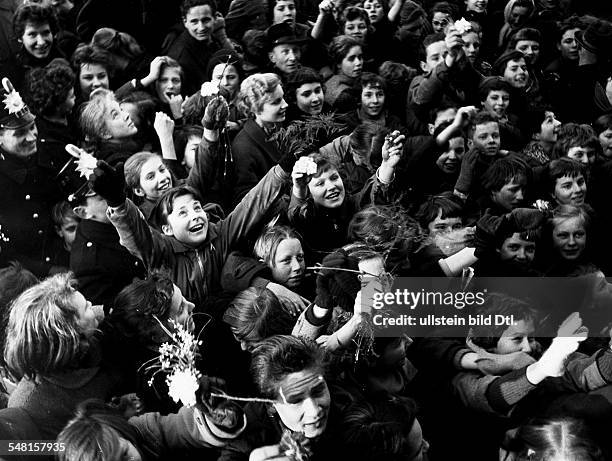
<point>255,91</point>
<point>32,13</point>
<point>47,88</point>
<point>93,114</point>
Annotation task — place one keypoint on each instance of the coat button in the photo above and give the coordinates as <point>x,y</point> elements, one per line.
<point>47,259</point>
<point>35,216</point>
<point>27,197</point>
<point>40,232</point>
<point>88,244</point>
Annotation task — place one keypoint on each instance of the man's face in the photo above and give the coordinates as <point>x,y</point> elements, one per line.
<point>436,52</point>
<point>199,21</point>
<point>20,142</point>
<point>37,39</point>
<point>486,137</point>
<point>286,57</point>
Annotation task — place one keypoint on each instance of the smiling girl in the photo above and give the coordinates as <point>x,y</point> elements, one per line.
<point>147,177</point>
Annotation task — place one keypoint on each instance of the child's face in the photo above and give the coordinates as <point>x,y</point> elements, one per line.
<point>439,21</point>
<point>288,266</point>
<point>155,178</point>
<point>516,73</point>
<point>190,151</point>
<point>450,161</point>
<point>327,189</point>
<point>549,130</point>
<point>67,231</point>
<point>436,52</point>
<point>516,338</point>
<point>37,39</point>
<point>486,137</point>
<point>518,16</point>
<point>119,124</point>
<point>569,238</point>
<point>605,139</point>
<point>511,195</point>
<point>443,225</point>
<point>530,49</point>
<point>374,9</point>
<point>188,222</point>
<point>357,28</point>
<point>518,250</point>
<point>479,6</point>
<point>584,155</point>
<point>568,46</point>
<point>226,76</point>
<point>91,77</point>
<point>497,103</point>
<point>570,190</point>
<point>352,63</point>
<point>168,84</point>
<point>284,11</point>
<point>309,97</point>
<point>372,100</point>
<point>471,45</point>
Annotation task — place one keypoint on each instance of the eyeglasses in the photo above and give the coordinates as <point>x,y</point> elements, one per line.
<point>442,23</point>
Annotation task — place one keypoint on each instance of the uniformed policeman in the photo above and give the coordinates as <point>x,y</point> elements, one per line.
<point>27,188</point>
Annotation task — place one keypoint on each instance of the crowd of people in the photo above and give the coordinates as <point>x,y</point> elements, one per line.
<point>238,175</point>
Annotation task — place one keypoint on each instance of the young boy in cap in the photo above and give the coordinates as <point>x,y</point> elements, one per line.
<point>28,189</point>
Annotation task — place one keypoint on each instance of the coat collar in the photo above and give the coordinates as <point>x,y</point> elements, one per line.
<point>258,136</point>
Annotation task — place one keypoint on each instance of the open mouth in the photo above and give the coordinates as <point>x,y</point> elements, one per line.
<point>163,186</point>
<point>333,196</point>
<point>170,93</point>
<point>196,228</point>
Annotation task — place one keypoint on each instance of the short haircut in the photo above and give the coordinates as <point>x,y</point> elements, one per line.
<point>43,335</point>
<point>363,137</point>
<point>188,4</point>
<point>503,171</point>
<point>446,8</point>
<point>481,118</point>
<point>87,54</point>
<point>323,164</point>
<point>351,14</point>
<point>36,14</point>
<point>256,314</point>
<point>500,304</point>
<point>573,22</point>
<point>603,123</point>
<point>62,211</point>
<point>499,66</point>
<point>575,135</point>
<point>95,433</point>
<point>340,47</point>
<point>269,240</point>
<point>526,33</point>
<point>137,306</point>
<point>560,168</point>
<point>48,87</point>
<point>93,114</point>
<point>171,63</point>
<point>564,212</point>
<point>431,38</point>
<point>255,91</point>
<point>278,356</point>
<point>117,43</point>
<point>182,137</point>
<point>302,76</point>
<point>165,204</point>
<point>490,84</point>
<point>377,428</point>
<point>448,205</point>
<point>373,80</point>
<point>396,74</point>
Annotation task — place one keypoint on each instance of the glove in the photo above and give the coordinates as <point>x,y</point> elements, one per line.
<point>466,175</point>
<point>488,230</point>
<point>109,183</point>
<point>216,114</point>
<point>336,287</point>
<point>287,161</point>
<point>523,219</point>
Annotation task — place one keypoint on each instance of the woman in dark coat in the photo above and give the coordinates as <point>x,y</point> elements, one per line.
<point>262,99</point>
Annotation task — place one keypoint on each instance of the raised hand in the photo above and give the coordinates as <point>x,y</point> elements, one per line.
<point>154,70</point>
<point>164,126</point>
<point>109,183</point>
<point>216,114</point>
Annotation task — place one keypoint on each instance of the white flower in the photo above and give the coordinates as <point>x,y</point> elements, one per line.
<point>13,102</point>
<point>306,165</point>
<point>209,89</point>
<point>542,205</point>
<point>463,26</point>
<point>183,385</point>
<point>86,164</point>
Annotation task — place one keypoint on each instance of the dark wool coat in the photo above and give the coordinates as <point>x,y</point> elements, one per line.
<point>28,193</point>
<point>253,156</point>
